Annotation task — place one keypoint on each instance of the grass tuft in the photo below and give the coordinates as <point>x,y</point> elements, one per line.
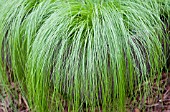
<point>93,53</point>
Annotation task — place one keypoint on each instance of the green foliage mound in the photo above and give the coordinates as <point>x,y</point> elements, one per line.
<point>93,53</point>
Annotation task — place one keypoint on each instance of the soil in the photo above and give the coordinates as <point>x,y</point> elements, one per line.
<point>156,103</point>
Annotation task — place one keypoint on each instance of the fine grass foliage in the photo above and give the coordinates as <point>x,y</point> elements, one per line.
<point>165,17</point>
<point>89,53</point>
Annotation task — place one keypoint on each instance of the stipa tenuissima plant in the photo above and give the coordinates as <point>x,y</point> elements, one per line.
<point>16,35</point>
<point>165,16</point>
<point>164,6</point>
<point>93,53</point>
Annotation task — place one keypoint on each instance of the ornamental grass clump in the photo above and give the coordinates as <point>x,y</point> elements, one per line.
<point>91,54</point>
<point>165,17</point>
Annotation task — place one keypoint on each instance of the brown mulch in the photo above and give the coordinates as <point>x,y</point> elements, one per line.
<point>155,102</point>
<point>161,103</point>
<point>13,100</point>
